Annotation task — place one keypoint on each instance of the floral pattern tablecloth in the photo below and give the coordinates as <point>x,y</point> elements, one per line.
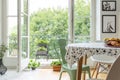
<point>76,50</point>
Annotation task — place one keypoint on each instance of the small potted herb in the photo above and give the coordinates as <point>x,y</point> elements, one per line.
<point>33,64</point>
<point>56,65</point>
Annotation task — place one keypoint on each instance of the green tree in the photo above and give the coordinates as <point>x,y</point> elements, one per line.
<point>48,24</point>
<point>51,24</point>
<point>82,19</point>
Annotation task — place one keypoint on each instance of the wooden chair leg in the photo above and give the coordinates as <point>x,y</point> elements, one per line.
<point>109,66</point>
<point>97,72</point>
<point>84,75</point>
<point>84,62</point>
<point>94,69</point>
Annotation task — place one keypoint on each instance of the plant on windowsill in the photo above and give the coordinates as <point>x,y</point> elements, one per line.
<point>56,65</point>
<point>33,64</point>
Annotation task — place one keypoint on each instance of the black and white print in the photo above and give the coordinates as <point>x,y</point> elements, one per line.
<point>108,5</point>
<point>109,23</point>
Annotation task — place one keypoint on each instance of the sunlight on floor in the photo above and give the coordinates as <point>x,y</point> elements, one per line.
<point>38,74</point>
<point>46,74</point>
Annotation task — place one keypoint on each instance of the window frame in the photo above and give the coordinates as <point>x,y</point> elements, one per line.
<point>71,35</point>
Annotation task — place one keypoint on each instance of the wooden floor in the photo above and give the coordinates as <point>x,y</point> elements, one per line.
<point>38,74</point>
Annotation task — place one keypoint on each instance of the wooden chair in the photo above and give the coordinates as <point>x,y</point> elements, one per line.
<point>102,61</point>
<point>114,72</point>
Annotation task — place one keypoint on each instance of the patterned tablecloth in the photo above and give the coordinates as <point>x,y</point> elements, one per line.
<point>76,50</point>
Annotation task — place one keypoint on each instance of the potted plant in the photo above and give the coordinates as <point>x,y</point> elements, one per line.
<point>3,49</point>
<point>3,68</point>
<point>56,65</point>
<point>33,64</point>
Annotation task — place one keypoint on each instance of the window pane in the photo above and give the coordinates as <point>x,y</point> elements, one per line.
<point>12,36</point>
<point>48,20</point>
<point>82,20</point>
<point>24,47</point>
<point>24,26</point>
<point>24,6</point>
<point>12,7</point>
<point>12,25</point>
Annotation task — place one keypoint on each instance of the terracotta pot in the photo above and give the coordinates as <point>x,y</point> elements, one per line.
<point>57,68</point>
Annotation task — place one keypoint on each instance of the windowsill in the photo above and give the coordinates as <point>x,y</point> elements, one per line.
<point>11,56</point>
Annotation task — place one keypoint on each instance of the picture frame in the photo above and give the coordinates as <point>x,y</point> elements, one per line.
<point>108,23</point>
<point>108,5</point>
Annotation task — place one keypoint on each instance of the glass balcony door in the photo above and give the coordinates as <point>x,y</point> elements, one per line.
<point>23,34</point>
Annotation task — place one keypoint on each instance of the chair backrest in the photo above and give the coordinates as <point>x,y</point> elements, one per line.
<point>62,44</point>
<point>114,73</point>
<point>43,45</point>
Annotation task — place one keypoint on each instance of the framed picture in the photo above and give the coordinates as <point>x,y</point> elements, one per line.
<point>109,23</point>
<point>108,5</point>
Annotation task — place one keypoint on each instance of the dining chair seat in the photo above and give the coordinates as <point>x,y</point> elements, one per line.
<point>103,59</point>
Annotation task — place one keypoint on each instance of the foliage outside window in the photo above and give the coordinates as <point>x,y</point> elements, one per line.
<point>51,24</point>
<point>82,20</point>
<point>13,44</point>
<point>55,25</point>
<point>44,26</point>
<point>42,48</point>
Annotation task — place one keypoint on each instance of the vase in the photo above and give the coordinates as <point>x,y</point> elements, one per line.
<point>3,68</point>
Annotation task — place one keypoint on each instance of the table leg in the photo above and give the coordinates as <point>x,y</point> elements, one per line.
<point>79,69</point>
<point>84,62</point>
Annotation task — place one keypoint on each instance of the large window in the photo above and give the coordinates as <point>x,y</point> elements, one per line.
<point>82,20</point>
<point>48,21</point>
<point>12,27</point>
<point>17,28</point>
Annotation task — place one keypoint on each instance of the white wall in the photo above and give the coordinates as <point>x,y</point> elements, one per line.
<point>101,36</point>
<point>0,17</point>
<point>98,23</point>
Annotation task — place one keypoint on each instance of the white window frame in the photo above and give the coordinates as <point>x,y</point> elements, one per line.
<point>71,35</point>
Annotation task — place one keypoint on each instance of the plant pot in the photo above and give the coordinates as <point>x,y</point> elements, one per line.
<point>57,68</point>
<point>3,68</point>
<point>33,68</point>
